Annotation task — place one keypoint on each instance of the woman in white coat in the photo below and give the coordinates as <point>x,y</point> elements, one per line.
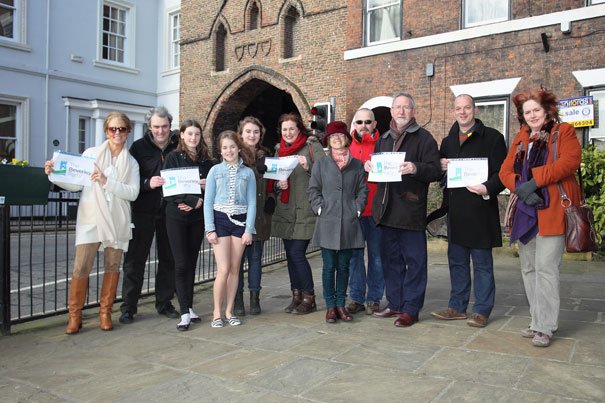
<point>103,218</point>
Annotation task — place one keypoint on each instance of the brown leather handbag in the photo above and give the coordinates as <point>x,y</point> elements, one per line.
<point>580,235</point>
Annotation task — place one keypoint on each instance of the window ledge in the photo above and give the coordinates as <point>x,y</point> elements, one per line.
<point>169,72</point>
<point>15,45</point>
<point>219,73</point>
<point>111,66</point>
<point>290,59</point>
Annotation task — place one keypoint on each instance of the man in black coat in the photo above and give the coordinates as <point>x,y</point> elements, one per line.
<point>473,218</point>
<point>148,217</point>
<point>399,210</point>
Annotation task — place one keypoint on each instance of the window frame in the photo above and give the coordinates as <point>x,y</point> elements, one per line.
<point>591,2</point>
<point>366,23</point>
<point>19,38</point>
<point>21,124</point>
<point>128,65</point>
<point>174,50</point>
<point>497,100</point>
<point>466,24</point>
<point>598,118</point>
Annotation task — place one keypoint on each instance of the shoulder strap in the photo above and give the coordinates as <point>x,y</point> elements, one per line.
<point>564,198</point>
<point>310,152</point>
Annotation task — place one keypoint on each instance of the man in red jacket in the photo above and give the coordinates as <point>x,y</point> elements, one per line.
<point>366,288</point>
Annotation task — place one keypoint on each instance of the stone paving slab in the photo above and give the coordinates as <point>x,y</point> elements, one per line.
<point>278,357</point>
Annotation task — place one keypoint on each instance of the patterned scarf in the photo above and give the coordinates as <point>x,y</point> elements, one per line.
<point>525,224</point>
<point>340,158</point>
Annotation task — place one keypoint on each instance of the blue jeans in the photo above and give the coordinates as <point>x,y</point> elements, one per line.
<point>335,276</point>
<point>357,269</point>
<point>254,254</point>
<point>459,258</point>
<point>299,269</point>
<point>404,260</point>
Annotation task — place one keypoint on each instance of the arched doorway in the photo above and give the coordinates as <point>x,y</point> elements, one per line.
<point>258,92</point>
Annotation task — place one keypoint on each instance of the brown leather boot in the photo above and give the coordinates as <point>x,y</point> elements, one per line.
<point>77,295</point>
<point>108,294</point>
<point>331,315</point>
<point>307,305</point>
<point>296,300</point>
<point>343,314</point>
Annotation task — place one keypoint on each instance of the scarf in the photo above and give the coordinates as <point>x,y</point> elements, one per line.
<point>399,134</point>
<point>525,223</point>
<point>340,158</point>
<point>113,218</point>
<point>285,150</point>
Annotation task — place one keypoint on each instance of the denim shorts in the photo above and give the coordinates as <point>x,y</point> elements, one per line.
<point>224,227</point>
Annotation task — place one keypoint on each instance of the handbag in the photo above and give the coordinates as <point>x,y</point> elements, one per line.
<point>580,234</point>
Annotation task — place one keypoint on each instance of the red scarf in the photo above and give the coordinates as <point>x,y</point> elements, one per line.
<point>286,150</point>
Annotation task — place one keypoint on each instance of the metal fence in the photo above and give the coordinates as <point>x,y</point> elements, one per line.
<point>41,257</point>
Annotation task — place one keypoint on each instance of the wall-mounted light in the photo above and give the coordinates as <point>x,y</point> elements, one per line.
<point>545,43</point>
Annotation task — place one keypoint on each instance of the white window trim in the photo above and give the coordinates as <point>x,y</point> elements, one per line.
<point>521,24</point>
<point>591,2</point>
<point>22,124</point>
<point>130,49</point>
<point>168,68</point>
<point>366,24</point>
<point>485,22</point>
<point>19,40</point>
<point>601,119</point>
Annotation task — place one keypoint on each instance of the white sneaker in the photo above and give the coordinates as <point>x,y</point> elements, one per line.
<point>194,317</point>
<point>184,323</point>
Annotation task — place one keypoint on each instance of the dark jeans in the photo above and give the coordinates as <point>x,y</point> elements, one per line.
<point>335,276</point>
<point>145,226</point>
<point>374,280</point>
<point>185,241</point>
<point>254,254</point>
<point>404,261</point>
<point>299,269</point>
<point>459,258</point>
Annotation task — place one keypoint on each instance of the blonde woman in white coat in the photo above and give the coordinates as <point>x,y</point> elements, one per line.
<point>103,218</point>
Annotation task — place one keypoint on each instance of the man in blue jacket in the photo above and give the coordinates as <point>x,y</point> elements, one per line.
<point>473,216</point>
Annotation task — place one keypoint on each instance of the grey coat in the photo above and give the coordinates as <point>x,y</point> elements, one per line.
<point>295,220</point>
<point>342,197</point>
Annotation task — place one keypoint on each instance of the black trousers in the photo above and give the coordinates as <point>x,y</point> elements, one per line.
<point>145,226</point>
<point>185,241</point>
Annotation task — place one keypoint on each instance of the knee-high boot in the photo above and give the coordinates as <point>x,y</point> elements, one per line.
<point>108,294</point>
<point>77,295</point>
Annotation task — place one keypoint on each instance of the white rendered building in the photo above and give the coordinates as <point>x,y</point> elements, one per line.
<point>65,64</point>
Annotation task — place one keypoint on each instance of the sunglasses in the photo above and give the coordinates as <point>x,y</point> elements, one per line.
<point>367,122</point>
<point>115,130</point>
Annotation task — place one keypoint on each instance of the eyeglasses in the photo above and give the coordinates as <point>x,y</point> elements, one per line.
<point>406,107</point>
<point>118,129</point>
<point>367,122</point>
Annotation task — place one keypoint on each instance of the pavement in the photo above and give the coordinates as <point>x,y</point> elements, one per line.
<point>276,357</point>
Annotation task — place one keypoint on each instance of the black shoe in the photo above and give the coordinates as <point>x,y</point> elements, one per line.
<point>126,318</point>
<point>170,312</point>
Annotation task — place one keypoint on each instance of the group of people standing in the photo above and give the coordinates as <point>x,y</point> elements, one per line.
<point>327,201</point>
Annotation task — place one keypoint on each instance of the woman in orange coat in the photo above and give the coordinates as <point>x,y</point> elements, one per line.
<point>533,173</point>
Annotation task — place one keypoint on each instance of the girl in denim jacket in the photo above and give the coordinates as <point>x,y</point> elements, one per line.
<point>229,215</point>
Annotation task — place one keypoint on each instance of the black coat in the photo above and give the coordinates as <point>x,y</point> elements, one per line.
<point>403,204</point>
<point>150,158</point>
<point>177,159</point>
<point>473,221</point>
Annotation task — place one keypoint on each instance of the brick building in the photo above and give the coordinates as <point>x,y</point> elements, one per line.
<point>259,57</point>
<point>266,57</point>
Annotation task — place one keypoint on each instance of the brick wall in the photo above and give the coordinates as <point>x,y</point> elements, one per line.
<point>255,58</point>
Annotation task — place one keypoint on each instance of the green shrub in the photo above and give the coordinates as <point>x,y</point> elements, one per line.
<point>593,177</point>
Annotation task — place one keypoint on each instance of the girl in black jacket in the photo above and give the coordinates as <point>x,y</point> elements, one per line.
<point>185,216</point>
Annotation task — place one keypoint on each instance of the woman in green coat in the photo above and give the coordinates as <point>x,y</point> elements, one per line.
<point>293,220</point>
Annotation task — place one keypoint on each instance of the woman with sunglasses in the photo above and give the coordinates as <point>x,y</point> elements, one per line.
<point>103,218</point>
